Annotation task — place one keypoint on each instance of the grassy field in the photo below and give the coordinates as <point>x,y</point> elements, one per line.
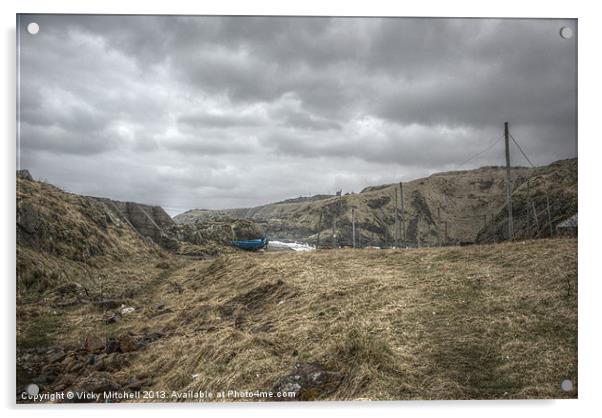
<point>478,322</point>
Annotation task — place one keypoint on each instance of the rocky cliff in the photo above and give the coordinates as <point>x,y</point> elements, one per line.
<point>149,221</point>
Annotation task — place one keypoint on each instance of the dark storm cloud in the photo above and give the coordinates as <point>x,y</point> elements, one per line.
<point>226,111</point>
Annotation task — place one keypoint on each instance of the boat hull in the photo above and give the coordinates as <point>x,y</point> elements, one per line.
<point>251,244</point>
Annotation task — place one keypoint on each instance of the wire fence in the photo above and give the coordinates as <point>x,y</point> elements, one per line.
<point>534,216</point>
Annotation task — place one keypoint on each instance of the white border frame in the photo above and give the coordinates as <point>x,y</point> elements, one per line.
<point>589,150</point>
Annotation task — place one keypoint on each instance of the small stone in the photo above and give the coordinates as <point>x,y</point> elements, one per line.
<point>74,366</point>
<point>162,265</point>
<point>136,384</point>
<point>41,379</point>
<point>127,344</point>
<point>65,381</point>
<point>127,310</point>
<point>94,344</point>
<point>111,319</point>
<point>58,356</point>
<point>110,362</point>
<point>97,382</point>
<point>112,345</point>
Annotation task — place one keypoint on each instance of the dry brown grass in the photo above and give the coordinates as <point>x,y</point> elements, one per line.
<point>480,322</point>
<point>476,322</point>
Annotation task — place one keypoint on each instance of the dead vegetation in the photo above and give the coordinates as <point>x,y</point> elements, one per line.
<point>480,322</point>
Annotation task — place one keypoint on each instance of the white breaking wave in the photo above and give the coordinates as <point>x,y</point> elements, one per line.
<point>293,245</point>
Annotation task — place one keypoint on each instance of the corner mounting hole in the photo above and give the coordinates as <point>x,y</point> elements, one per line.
<point>33,389</point>
<point>566,385</point>
<point>33,28</point>
<point>566,32</point>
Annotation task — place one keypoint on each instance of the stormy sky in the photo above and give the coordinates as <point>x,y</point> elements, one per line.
<point>219,112</point>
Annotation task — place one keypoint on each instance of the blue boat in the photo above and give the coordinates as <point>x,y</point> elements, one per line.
<point>251,244</point>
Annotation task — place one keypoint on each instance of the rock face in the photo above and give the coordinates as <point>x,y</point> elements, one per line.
<point>149,221</point>
<point>212,236</point>
<point>68,225</point>
<point>24,174</point>
<point>218,229</point>
<point>444,208</point>
<point>78,227</point>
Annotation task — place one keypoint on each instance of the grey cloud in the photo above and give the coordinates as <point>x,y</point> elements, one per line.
<point>211,144</point>
<point>62,141</point>
<point>218,120</point>
<point>231,111</point>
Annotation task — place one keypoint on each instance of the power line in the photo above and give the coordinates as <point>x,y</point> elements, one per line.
<point>521,150</point>
<point>481,152</point>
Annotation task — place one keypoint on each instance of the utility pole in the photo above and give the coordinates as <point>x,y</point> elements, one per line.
<point>319,229</point>
<point>418,236</point>
<point>334,226</point>
<point>386,236</point>
<point>397,232</point>
<point>418,231</point>
<point>353,226</point>
<point>446,238</point>
<point>403,216</point>
<point>508,184</point>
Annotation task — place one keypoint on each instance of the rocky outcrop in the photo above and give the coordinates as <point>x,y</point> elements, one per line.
<point>64,224</point>
<point>24,174</point>
<point>82,227</point>
<point>149,221</point>
<point>212,236</point>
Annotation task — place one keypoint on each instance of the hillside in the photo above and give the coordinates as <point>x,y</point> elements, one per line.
<point>481,322</point>
<point>555,184</point>
<point>470,205</point>
<point>88,253</point>
<point>62,236</point>
<point>109,299</point>
<point>74,249</point>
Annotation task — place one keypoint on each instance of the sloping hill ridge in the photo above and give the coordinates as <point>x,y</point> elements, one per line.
<point>444,208</point>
